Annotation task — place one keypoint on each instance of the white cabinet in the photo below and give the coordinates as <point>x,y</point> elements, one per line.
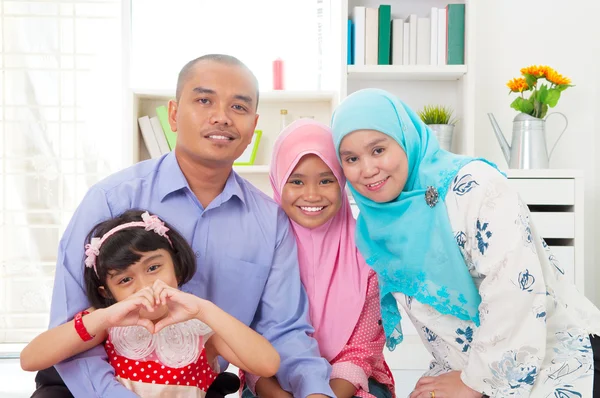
<point>555,199</point>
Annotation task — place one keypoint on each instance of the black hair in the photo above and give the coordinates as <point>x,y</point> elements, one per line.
<point>185,72</point>
<point>126,247</point>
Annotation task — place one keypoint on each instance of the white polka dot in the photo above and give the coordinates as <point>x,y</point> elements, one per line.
<point>123,371</point>
<point>161,376</point>
<point>130,368</point>
<point>162,367</point>
<point>168,371</point>
<point>118,365</point>
<point>137,363</point>
<point>174,377</point>
<point>115,358</point>
<point>155,372</point>
<point>149,365</point>
<point>167,382</point>
<point>126,361</point>
<point>153,381</point>
<point>193,378</point>
<point>188,383</point>
<point>142,369</point>
<point>178,383</point>
<point>147,376</point>
<point>182,372</point>
<point>135,375</point>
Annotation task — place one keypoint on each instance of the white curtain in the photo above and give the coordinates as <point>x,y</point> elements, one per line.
<point>60,126</point>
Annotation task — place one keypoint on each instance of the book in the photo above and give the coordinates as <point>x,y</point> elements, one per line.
<point>456,34</point>
<point>148,136</point>
<point>423,41</point>
<point>359,20</point>
<point>385,27</point>
<point>159,134</point>
<point>442,36</point>
<point>433,15</point>
<point>350,43</point>
<point>163,116</point>
<point>397,42</point>
<point>412,39</point>
<point>371,36</point>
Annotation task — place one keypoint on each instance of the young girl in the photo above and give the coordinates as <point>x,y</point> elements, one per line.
<point>342,290</point>
<point>454,246</point>
<point>160,340</point>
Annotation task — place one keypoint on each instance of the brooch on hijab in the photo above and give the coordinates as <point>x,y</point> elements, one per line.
<point>431,196</point>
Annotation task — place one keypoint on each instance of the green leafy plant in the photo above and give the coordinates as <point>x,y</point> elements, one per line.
<point>437,114</point>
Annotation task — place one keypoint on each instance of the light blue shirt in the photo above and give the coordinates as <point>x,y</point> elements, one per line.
<point>247,265</point>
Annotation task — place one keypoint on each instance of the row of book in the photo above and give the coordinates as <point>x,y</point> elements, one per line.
<point>157,133</point>
<point>375,38</point>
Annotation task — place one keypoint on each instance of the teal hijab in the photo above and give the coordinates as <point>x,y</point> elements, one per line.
<point>409,241</point>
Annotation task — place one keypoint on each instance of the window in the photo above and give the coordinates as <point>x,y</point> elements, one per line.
<point>60,125</point>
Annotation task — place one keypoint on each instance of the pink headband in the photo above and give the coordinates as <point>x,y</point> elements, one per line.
<point>149,223</point>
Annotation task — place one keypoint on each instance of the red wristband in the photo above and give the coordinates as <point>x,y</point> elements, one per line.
<point>80,327</point>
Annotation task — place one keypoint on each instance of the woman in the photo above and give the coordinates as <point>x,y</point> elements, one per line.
<point>453,246</point>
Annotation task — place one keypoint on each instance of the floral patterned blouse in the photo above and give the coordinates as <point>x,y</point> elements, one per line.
<point>533,340</point>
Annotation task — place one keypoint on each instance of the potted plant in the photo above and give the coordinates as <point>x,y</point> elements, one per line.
<point>528,149</point>
<point>440,121</point>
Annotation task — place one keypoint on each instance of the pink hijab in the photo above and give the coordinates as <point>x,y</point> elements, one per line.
<point>333,272</point>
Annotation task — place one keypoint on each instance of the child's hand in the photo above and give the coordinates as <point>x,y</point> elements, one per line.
<point>127,312</point>
<point>182,306</point>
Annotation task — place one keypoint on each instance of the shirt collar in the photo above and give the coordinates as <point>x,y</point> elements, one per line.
<point>173,180</point>
<point>171,176</point>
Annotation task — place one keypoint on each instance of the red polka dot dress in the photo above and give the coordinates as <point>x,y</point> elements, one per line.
<point>153,379</point>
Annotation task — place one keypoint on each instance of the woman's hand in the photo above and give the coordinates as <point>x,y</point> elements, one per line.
<point>127,312</point>
<point>182,306</point>
<point>448,385</point>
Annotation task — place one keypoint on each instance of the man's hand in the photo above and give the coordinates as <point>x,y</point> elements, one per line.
<point>268,387</point>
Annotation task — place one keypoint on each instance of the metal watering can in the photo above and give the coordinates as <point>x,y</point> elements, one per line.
<point>528,148</point>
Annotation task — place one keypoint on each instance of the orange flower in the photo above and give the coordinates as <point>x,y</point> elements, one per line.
<point>536,70</point>
<point>556,78</point>
<point>517,85</point>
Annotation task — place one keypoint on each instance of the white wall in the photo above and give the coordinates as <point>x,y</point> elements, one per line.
<point>512,34</point>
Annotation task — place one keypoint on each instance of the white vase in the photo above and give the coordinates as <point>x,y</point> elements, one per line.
<point>443,133</point>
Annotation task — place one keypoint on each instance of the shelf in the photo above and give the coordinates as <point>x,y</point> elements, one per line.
<point>254,169</point>
<point>406,72</point>
<point>265,96</point>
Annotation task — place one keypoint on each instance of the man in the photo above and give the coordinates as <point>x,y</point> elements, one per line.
<point>247,261</point>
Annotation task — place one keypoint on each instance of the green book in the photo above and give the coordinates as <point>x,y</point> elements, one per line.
<point>385,27</point>
<point>163,117</point>
<point>456,34</point>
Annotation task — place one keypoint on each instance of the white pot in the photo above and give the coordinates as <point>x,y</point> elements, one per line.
<point>443,133</point>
